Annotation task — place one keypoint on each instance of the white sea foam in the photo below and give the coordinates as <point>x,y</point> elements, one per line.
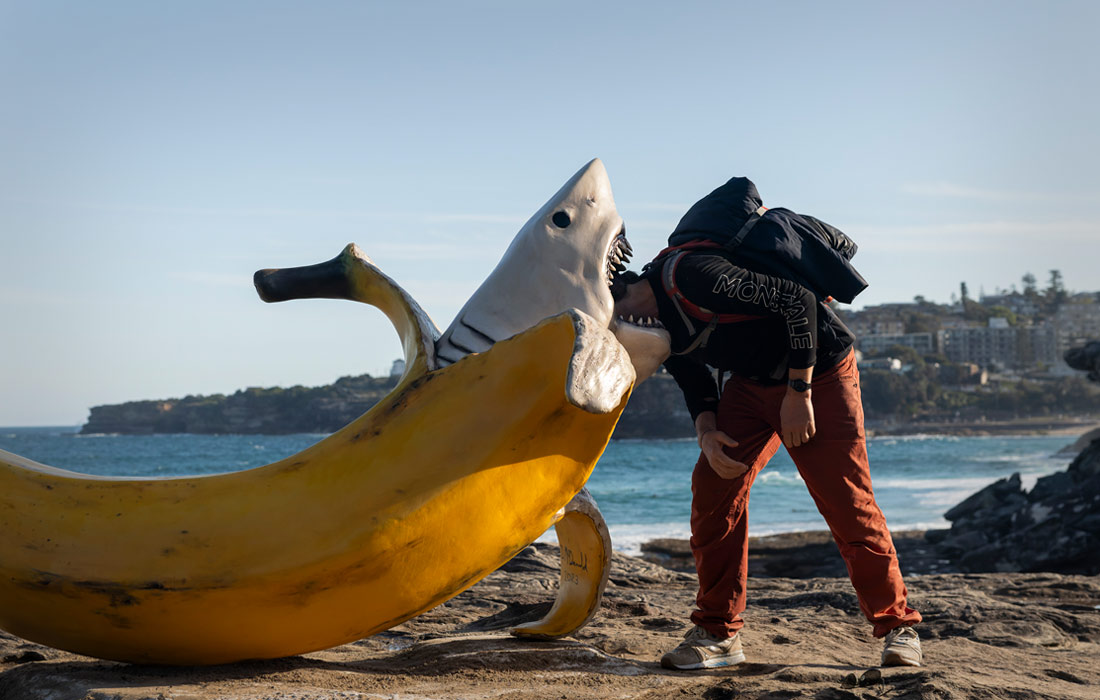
<point>920,437</point>
<point>918,525</point>
<point>960,484</point>
<point>628,539</point>
<point>959,488</point>
<point>942,499</point>
<point>1018,458</point>
<point>1027,481</point>
<point>770,476</point>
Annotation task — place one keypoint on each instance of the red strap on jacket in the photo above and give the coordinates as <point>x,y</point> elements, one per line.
<point>668,280</point>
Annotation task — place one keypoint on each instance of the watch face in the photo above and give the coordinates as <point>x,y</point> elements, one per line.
<point>799,384</point>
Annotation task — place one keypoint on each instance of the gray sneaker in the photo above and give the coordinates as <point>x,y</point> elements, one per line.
<point>700,649</point>
<point>902,648</point>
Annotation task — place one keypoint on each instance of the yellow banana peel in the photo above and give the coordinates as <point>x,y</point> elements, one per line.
<point>436,486</point>
<point>585,546</point>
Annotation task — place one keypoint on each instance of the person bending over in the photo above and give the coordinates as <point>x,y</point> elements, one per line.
<point>792,380</point>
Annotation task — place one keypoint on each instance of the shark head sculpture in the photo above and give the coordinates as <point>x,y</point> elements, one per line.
<point>565,257</point>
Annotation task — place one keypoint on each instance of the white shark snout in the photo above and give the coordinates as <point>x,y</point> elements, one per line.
<point>559,260</point>
<point>563,258</point>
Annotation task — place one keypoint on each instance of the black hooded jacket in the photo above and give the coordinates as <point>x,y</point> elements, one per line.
<point>793,328</point>
<point>782,243</point>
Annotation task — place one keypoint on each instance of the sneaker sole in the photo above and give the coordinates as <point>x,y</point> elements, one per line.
<point>898,660</point>
<point>716,662</point>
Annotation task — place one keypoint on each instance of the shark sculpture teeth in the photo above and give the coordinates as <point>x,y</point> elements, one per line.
<point>647,322</point>
<point>618,256</point>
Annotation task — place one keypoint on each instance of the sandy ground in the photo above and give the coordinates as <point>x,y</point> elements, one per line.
<point>985,636</point>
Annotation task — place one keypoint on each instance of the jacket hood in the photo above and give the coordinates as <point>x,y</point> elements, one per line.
<point>721,212</point>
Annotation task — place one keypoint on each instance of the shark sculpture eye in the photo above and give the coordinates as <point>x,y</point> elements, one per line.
<point>561,219</point>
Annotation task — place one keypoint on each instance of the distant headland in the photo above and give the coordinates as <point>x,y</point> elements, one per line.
<point>656,410</point>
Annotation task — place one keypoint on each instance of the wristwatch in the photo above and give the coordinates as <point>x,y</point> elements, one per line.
<point>799,384</point>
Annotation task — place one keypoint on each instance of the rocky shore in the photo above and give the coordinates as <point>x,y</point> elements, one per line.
<point>1053,527</point>
<point>1016,630</point>
<point>810,554</point>
<point>1006,635</point>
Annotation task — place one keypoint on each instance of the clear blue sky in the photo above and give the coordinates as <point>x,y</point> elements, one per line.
<point>154,154</point>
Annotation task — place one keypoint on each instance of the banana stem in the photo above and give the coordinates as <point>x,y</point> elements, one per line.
<point>327,280</point>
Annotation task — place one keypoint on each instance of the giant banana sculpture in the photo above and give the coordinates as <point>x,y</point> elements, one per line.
<point>473,455</point>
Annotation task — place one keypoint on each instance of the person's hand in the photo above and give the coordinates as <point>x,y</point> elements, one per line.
<point>713,443</point>
<point>796,419</point>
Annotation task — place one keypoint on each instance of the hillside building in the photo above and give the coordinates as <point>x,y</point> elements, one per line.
<point>988,346</point>
<point>1076,322</point>
<point>924,343</point>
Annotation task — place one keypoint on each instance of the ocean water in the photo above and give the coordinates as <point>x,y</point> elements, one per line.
<point>643,487</point>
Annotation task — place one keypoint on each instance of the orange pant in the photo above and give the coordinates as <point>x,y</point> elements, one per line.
<point>834,466</point>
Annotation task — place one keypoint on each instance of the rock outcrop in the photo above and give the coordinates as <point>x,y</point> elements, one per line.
<point>656,410</point>
<point>1053,527</point>
<point>1021,636</point>
<point>271,411</point>
<point>1086,359</point>
<point>811,554</point>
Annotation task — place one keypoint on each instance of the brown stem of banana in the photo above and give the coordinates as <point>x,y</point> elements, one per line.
<point>327,280</point>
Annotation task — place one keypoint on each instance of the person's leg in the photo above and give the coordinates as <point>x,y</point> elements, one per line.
<point>835,468</point>
<point>719,511</point>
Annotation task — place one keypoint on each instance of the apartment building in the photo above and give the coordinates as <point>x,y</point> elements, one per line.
<point>924,343</point>
<point>1076,322</point>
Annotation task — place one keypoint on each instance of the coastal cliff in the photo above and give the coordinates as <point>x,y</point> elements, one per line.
<point>272,411</point>
<point>656,410</point>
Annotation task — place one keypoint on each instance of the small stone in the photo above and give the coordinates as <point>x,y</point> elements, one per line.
<point>24,657</point>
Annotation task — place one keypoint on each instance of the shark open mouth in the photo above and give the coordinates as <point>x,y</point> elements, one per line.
<point>618,255</point>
